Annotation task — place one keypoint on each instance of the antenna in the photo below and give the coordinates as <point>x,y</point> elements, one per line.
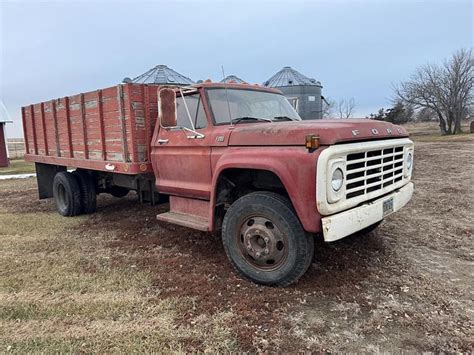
<point>226,96</point>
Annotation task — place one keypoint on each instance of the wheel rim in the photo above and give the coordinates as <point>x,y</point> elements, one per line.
<point>262,244</point>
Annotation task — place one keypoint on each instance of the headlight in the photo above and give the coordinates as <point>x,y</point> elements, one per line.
<point>337,179</point>
<point>409,161</point>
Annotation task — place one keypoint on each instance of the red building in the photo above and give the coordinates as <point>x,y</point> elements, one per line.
<point>3,145</point>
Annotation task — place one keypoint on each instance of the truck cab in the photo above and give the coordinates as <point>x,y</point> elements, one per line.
<point>238,160</point>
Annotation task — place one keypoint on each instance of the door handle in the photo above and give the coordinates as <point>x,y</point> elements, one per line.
<point>163,141</point>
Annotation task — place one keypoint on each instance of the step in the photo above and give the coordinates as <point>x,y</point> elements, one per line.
<point>185,220</point>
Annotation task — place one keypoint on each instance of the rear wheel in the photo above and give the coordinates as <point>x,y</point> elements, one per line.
<point>67,195</point>
<point>265,241</point>
<point>88,191</point>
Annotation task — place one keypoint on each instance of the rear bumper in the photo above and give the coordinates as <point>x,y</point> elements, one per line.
<point>342,224</point>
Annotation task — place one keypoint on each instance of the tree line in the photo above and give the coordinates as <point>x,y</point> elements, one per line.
<point>436,91</point>
<point>441,92</point>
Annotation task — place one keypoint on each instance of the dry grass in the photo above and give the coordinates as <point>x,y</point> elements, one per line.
<point>61,291</point>
<point>429,131</point>
<point>18,167</point>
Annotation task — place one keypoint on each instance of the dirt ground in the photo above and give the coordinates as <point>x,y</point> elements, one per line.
<point>119,280</point>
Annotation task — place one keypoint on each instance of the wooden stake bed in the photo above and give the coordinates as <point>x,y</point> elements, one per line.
<point>107,130</point>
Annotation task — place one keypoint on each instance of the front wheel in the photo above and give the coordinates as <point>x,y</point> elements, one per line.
<point>265,241</point>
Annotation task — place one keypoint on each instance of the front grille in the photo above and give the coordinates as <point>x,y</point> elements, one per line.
<point>373,170</point>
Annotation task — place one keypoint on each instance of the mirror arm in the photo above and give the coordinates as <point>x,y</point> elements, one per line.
<point>197,135</point>
<point>186,107</point>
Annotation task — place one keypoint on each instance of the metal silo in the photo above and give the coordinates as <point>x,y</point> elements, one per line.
<point>232,79</point>
<point>303,93</point>
<point>161,74</point>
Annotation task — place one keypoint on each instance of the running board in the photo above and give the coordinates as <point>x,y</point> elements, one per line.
<point>185,220</point>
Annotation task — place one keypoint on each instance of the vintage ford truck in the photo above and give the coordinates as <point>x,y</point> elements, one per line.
<point>234,159</point>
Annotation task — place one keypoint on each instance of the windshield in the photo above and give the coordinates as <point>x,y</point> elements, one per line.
<point>248,104</point>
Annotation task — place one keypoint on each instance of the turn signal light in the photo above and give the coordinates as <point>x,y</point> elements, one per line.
<point>312,141</point>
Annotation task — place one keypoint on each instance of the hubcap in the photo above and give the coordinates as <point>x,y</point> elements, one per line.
<point>262,244</point>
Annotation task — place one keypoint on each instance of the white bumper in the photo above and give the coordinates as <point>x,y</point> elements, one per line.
<point>342,224</point>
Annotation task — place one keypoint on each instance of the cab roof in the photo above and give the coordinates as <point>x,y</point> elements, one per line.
<point>256,87</point>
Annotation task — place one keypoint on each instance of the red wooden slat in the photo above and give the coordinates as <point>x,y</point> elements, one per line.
<point>101,123</point>
<point>132,123</point>
<point>56,131</point>
<point>84,128</point>
<point>68,122</point>
<point>25,130</point>
<point>122,122</point>
<point>33,124</point>
<point>43,124</point>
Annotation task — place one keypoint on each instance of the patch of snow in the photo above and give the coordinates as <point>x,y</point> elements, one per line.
<point>16,176</point>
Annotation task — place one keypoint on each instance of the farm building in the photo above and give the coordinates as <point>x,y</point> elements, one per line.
<point>161,74</point>
<point>303,93</point>
<point>3,144</point>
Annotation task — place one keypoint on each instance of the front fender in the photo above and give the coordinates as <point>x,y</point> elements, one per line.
<point>294,166</point>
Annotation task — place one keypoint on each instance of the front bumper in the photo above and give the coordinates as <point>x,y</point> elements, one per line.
<point>342,224</point>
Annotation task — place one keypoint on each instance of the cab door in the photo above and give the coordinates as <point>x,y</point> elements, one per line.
<point>181,159</point>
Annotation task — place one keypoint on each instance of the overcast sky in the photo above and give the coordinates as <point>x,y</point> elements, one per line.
<point>356,49</point>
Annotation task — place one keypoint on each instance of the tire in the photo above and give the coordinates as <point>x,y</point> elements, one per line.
<point>265,241</point>
<point>88,191</point>
<point>118,191</point>
<point>67,195</point>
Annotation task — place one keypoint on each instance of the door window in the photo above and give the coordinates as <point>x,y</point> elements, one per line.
<point>196,111</point>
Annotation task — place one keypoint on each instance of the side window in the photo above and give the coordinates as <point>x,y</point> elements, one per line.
<point>196,111</point>
<point>201,119</point>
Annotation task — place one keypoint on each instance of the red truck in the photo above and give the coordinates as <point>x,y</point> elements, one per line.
<point>229,158</point>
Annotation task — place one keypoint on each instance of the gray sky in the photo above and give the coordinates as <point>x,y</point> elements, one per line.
<point>356,49</point>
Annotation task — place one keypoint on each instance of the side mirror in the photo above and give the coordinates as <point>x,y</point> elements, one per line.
<point>167,108</point>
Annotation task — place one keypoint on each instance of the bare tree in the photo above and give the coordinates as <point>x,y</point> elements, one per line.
<point>345,108</point>
<point>445,89</point>
<point>328,108</point>
<point>460,72</point>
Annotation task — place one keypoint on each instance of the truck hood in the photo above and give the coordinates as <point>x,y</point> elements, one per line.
<point>330,131</point>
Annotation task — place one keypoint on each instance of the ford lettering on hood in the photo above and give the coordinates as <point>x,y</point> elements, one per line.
<point>330,131</point>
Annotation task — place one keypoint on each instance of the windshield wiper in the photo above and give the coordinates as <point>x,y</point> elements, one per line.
<point>283,118</point>
<point>245,118</point>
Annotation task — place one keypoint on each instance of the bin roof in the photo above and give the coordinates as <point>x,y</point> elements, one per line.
<point>161,74</point>
<point>232,78</point>
<point>288,76</point>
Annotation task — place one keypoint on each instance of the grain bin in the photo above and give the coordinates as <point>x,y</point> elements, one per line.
<point>233,79</point>
<point>161,74</point>
<point>303,93</point>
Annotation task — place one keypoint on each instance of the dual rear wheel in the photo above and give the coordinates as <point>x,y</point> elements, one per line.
<point>74,193</point>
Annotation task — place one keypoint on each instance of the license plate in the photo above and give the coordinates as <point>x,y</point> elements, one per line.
<point>388,206</point>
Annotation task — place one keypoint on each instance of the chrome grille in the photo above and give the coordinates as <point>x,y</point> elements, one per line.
<point>373,170</point>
